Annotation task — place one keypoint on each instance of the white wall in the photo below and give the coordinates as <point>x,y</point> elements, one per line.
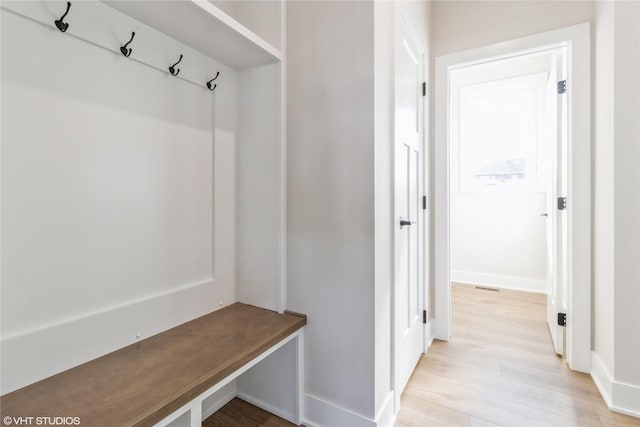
<point>259,201</point>
<point>339,202</point>
<point>461,25</point>
<point>616,346</point>
<point>603,230</point>
<point>383,102</point>
<point>626,183</point>
<point>331,196</point>
<point>108,225</point>
<point>497,239</point>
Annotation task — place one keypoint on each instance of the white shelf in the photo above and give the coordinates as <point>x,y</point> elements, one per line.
<point>204,27</point>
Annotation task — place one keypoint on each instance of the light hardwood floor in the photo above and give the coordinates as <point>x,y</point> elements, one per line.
<point>500,369</point>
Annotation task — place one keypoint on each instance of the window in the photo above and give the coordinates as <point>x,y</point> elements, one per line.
<point>502,130</point>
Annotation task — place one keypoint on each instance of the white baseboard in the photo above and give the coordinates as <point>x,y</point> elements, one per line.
<point>320,413</point>
<point>386,417</point>
<point>429,336</point>
<point>216,401</point>
<point>499,281</point>
<point>267,407</point>
<point>619,397</point>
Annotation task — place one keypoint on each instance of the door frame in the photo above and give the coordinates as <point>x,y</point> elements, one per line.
<point>577,39</point>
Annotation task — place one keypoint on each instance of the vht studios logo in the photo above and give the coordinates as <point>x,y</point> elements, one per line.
<point>41,421</point>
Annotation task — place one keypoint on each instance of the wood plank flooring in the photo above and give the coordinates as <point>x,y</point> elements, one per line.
<point>240,413</point>
<point>499,369</point>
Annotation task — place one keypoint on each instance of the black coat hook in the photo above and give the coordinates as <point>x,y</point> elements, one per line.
<point>126,52</point>
<point>63,26</point>
<point>174,71</point>
<point>210,81</point>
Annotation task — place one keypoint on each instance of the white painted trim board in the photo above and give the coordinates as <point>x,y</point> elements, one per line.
<point>321,413</point>
<point>499,281</point>
<point>619,397</point>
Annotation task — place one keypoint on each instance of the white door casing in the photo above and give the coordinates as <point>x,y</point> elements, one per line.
<point>578,215</point>
<point>408,144</point>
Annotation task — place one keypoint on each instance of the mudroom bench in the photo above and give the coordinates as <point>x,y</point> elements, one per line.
<point>163,380</point>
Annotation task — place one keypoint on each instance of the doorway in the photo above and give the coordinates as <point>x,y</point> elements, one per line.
<point>507,166</point>
<point>571,262</point>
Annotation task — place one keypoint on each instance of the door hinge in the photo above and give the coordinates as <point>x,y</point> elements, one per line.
<point>562,87</point>
<point>562,203</point>
<point>562,319</point>
<point>424,203</point>
<point>424,316</point>
<point>424,88</point>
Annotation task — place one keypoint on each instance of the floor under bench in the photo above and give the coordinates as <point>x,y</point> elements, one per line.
<point>240,413</point>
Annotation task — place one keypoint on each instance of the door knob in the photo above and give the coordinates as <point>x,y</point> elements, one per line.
<point>404,222</point>
<point>544,214</point>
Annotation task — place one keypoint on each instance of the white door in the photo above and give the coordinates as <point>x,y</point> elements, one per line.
<point>408,196</point>
<point>557,218</point>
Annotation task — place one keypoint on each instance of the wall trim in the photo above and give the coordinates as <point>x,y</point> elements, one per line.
<point>114,307</point>
<point>80,339</point>
<point>320,413</point>
<point>428,336</point>
<point>386,416</point>
<point>500,281</point>
<point>619,397</point>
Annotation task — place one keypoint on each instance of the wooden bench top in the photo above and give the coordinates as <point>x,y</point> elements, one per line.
<point>143,383</point>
